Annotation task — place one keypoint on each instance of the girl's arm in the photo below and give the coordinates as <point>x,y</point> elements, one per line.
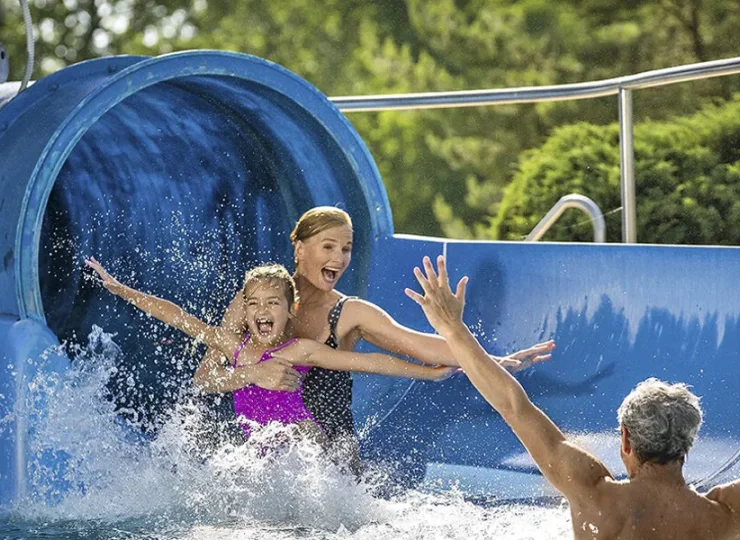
<point>271,374</point>
<point>320,355</point>
<point>214,376</point>
<point>379,328</point>
<point>170,313</point>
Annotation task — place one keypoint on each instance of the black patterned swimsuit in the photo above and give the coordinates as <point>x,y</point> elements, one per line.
<point>327,393</point>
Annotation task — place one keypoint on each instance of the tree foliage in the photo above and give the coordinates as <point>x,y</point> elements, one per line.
<point>687,189</point>
<point>445,170</point>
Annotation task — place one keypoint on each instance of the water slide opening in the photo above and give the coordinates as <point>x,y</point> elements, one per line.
<point>178,182</point>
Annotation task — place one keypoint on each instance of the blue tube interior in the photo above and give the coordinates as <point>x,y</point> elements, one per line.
<point>183,203</point>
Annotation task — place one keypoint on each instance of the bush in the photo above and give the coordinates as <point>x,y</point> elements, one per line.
<point>687,180</point>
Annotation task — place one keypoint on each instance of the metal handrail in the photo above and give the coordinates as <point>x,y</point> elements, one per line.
<point>534,94</point>
<point>573,200</point>
<point>620,86</point>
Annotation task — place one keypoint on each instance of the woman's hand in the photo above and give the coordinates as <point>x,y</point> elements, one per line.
<point>526,358</point>
<point>109,282</point>
<point>275,374</point>
<point>442,373</point>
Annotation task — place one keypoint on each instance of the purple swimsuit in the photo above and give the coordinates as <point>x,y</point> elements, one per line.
<point>263,406</point>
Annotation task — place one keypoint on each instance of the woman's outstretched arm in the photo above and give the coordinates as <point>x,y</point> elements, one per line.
<point>169,313</point>
<point>312,353</point>
<point>379,328</point>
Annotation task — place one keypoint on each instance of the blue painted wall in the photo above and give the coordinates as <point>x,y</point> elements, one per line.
<point>619,314</point>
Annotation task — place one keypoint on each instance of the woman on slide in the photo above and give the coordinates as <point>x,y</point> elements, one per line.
<point>269,296</point>
<point>322,243</point>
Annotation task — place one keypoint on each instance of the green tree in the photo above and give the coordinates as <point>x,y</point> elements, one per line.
<point>445,171</point>
<point>70,31</point>
<point>687,180</point>
<point>592,40</point>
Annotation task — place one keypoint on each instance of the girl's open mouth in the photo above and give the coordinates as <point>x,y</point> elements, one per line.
<point>264,326</point>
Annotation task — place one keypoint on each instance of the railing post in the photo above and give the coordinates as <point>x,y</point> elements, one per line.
<point>627,167</point>
<point>4,64</point>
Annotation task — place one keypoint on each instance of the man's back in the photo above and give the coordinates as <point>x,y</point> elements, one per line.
<point>658,424</point>
<point>652,510</point>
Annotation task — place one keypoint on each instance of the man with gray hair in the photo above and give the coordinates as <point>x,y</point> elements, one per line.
<point>661,421</point>
<point>658,423</point>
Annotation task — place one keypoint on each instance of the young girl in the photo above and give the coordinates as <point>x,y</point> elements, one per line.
<point>269,297</point>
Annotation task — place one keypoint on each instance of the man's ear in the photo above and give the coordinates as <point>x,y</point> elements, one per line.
<point>625,441</point>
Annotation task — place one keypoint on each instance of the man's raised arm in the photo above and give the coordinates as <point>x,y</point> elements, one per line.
<point>571,470</point>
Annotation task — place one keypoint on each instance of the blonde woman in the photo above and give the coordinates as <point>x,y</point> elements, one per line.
<point>322,243</point>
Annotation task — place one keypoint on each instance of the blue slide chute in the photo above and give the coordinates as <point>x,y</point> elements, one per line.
<point>179,172</point>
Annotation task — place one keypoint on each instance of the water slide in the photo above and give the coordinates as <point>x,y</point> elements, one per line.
<point>181,171</point>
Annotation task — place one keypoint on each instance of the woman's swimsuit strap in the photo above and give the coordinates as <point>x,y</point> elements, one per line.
<point>328,394</point>
<point>333,319</point>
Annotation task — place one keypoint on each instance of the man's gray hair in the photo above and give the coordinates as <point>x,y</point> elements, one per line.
<point>662,420</point>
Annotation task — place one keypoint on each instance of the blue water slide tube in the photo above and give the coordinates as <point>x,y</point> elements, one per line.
<point>179,172</point>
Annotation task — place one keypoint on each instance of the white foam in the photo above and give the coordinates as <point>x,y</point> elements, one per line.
<point>170,487</point>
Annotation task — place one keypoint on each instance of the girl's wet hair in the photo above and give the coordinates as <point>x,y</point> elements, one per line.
<point>317,220</point>
<point>274,274</point>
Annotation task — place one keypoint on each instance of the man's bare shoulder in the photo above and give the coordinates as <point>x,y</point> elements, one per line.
<point>606,497</point>
<point>727,495</point>
<point>610,492</point>
<point>604,508</point>
<point>727,498</point>
<point>626,510</point>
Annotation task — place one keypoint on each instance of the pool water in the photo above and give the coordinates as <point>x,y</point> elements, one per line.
<point>194,481</point>
<point>413,519</point>
<point>413,516</point>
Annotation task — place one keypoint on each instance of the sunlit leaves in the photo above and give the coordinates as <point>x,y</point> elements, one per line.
<point>688,183</point>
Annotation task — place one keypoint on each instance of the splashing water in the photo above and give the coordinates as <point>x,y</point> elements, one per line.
<point>92,475</point>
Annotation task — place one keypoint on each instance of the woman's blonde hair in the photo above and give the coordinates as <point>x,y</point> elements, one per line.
<point>274,274</point>
<point>317,220</point>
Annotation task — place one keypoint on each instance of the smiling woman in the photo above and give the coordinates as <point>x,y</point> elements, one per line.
<point>322,243</point>
<point>322,239</point>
